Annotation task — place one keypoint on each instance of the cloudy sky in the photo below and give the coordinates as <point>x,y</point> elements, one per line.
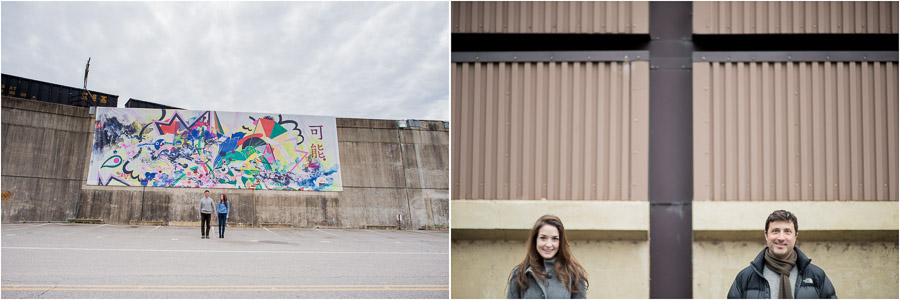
<point>379,60</point>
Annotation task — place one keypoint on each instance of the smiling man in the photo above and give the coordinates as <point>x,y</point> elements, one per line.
<point>781,271</point>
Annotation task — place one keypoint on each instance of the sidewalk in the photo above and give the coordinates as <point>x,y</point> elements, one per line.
<point>52,260</point>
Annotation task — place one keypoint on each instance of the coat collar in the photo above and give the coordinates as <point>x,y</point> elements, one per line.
<point>548,266</point>
<point>760,261</point>
<point>530,271</point>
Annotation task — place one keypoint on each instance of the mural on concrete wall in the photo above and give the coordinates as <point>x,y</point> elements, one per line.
<point>214,149</point>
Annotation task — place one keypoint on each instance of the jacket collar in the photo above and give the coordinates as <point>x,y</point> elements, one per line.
<point>760,261</point>
<point>530,271</point>
<point>548,266</point>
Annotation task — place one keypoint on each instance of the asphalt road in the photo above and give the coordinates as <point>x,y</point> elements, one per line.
<point>120,261</point>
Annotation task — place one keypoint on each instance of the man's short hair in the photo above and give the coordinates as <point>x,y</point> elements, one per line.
<point>781,215</point>
<point>206,191</point>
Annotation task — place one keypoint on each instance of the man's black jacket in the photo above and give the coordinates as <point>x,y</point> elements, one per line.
<point>811,280</point>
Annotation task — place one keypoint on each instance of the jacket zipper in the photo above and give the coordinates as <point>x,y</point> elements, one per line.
<point>763,278</point>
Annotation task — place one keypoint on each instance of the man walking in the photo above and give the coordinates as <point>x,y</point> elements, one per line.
<point>206,209</point>
<point>781,270</point>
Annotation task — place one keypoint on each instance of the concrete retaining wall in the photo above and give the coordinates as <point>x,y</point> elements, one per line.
<point>609,238</point>
<point>481,268</point>
<point>857,269</point>
<point>386,171</point>
<point>43,148</point>
<point>854,242</point>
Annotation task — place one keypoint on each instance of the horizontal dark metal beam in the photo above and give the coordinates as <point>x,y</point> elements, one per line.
<point>795,42</point>
<point>796,56</point>
<point>479,42</point>
<point>551,56</point>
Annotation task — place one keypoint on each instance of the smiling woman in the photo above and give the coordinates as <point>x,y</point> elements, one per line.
<point>549,270</point>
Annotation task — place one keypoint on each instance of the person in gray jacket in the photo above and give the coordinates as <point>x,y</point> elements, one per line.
<point>206,210</point>
<point>549,270</point>
<point>781,271</point>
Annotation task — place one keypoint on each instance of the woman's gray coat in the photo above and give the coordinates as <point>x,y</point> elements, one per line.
<point>552,288</point>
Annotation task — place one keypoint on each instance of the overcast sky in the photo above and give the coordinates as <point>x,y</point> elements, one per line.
<point>378,60</point>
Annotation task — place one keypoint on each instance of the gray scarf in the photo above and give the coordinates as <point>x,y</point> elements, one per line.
<point>783,268</point>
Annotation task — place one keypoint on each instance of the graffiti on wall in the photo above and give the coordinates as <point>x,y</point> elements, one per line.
<point>214,149</point>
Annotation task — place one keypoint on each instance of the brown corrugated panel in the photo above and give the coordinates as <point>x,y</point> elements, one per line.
<point>795,131</point>
<point>550,17</point>
<point>554,130</point>
<point>763,17</point>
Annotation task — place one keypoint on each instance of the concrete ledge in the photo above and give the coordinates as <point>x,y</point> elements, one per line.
<point>212,224</point>
<point>37,222</point>
<point>811,215</point>
<point>382,227</point>
<point>805,235</point>
<point>276,225</point>
<point>86,187</point>
<point>365,123</point>
<point>44,107</point>
<point>513,219</point>
<point>522,234</point>
<point>817,220</point>
<point>87,221</point>
<point>576,215</point>
<point>148,223</point>
<point>186,224</point>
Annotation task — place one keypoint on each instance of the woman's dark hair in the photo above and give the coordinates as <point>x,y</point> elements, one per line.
<point>224,198</point>
<point>567,268</point>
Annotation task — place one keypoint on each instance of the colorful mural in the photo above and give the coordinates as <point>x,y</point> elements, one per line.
<point>210,149</point>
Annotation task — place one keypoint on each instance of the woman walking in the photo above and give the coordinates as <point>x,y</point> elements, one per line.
<point>549,271</point>
<point>223,214</point>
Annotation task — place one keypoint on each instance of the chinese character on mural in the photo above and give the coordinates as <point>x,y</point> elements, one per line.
<point>316,131</point>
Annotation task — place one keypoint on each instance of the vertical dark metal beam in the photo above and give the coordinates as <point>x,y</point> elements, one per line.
<point>671,172</point>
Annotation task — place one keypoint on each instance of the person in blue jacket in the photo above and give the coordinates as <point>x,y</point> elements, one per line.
<point>223,209</point>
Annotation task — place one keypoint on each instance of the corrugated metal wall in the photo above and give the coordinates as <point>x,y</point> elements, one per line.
<point>721,17</point>
<point>555,130</point>
<point>795,131</point>
<point>550,17</point>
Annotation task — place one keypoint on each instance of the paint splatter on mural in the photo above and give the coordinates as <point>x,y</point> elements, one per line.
<point>210,149</point>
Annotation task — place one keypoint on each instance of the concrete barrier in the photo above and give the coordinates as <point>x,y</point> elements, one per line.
<point>387,171</point>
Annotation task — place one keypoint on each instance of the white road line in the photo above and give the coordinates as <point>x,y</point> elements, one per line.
<point>151,230</point>
<point>274,233</point>
<point>24,227</point>
<point>225,251</point>
<point>319,230</point>
<point>80,231</point>
<point>92,228</point>
<point>379,233</point>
